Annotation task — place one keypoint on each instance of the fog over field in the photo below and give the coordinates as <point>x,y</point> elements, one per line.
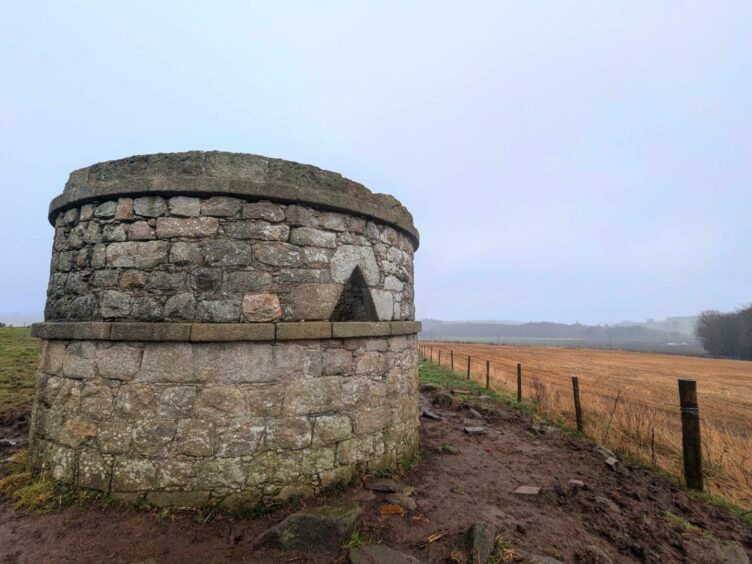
<point>674,335</point>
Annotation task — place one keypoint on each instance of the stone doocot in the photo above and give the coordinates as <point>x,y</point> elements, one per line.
<point>224,328</point>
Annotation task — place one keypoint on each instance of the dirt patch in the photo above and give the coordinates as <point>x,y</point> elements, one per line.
<point>624,515</point>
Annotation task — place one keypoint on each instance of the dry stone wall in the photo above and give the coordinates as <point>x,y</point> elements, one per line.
<point>224,328</point>
<point>220,259</point>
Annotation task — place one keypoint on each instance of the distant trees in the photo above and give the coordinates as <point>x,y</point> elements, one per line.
<point>726,334</point>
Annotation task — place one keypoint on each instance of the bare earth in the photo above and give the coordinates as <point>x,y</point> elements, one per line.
<point>632,515</point>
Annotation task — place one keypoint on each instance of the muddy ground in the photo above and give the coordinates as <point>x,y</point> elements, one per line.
<point>625,515</point>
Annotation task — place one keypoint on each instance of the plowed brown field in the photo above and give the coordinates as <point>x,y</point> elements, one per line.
<point>644,421</point>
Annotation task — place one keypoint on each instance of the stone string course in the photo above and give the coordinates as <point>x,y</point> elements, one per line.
<point>220,332</point>
<point>234,423</point>
<point>222,260</point>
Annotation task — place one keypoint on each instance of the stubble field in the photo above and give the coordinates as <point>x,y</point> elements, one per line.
<point>630,402</point>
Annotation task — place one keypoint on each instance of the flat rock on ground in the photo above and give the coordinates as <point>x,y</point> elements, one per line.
<point>482,541</point>
<point>322,528</point>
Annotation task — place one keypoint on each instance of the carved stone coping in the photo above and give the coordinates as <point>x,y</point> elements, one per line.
<point>219,332</point>
<point>215,173</point>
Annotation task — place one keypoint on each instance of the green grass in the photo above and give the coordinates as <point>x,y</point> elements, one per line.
<point>18,359</point>
<point>448,449</point>
<point>443,377</point>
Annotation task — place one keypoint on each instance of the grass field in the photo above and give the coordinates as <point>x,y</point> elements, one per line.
<point>18,359</point>
<point>644,422</point>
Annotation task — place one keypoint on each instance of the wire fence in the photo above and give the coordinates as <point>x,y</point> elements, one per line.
<point>648,430</point>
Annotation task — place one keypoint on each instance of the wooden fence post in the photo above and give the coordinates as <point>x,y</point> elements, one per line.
<point>577,406</point>
<point>431,355</point>
<point>468,367</point>
<point>439,357</point>
<point>519,383</point>
<point>691,445</point>
<point>451,355</point>
<point>488,374</point>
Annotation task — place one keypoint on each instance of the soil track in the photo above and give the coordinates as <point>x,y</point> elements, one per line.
<point>631,515</point>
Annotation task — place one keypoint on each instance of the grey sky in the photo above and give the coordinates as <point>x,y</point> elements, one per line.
<point>564,161</point>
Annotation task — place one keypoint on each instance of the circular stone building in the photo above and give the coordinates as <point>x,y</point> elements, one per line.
<point>225,328</point>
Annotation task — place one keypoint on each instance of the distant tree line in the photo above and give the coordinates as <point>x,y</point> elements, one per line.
<point>726,334</point>
<point>433,329</point>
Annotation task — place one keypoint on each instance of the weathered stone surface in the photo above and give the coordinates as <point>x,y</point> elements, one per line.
<point>256,230</point>
<point>337,361</point>
<point>443,400</point>
<point>304,330</point>
<point>380,554</point>
<point>330,429</point>
<point>314,301</point>
<point>192,227</point>
<point>218,311</point>
<point>482,537</point>
<point>278,254</point>
<point>347,257</point>
<point>308,236</point>
<point>114,232</point>
<point>184,206</point>
<point>248,281</point>
<point>195,437</point>
<point>181,306</point>
<point>402,500</point>
<point>115,304</point>
<point>371,420</point>
<point>150,206</point>
<point>383,300</point>
<point>206,280</point>
<point>228,252</point>
<point>729,552</point>
<point>124,210</point>
<point>527,490</point>
<point>146,309</point>
<point>133,475</point>
<point>288,433</point>
<point>226,332</point>
<point>105,210</point>
<point>119,361</point>
<point>221,206</point>
<point>167,362</point>
<point>322,528</point>
<point>137,255</point>
<point>141,231</point>
<point>264,210</point>
<point>308,397</point>
<point>131,279</point>
<point>350,329</point>
<point>78,360</point>
<point>261,307</point>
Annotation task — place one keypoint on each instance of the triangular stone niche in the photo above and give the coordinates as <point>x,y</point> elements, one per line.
<point>355,302</point>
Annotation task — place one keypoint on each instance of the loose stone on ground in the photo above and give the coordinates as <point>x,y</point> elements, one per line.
<point>322,528</point>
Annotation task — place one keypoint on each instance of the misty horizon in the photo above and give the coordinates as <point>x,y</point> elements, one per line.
<point>563,162</point>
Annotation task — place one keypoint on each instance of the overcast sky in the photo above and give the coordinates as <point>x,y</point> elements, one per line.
<point>564,161</point>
